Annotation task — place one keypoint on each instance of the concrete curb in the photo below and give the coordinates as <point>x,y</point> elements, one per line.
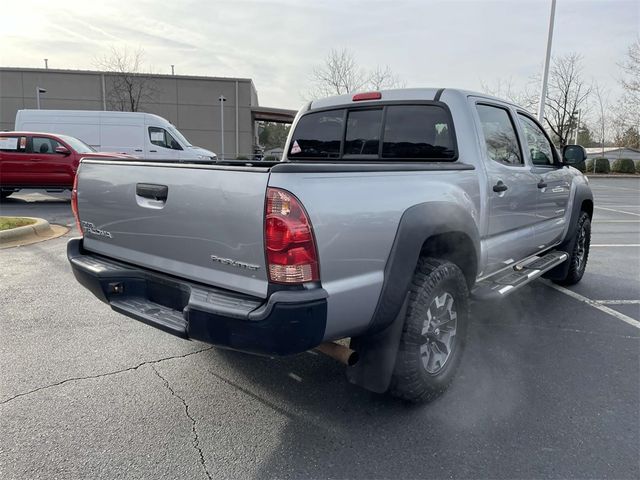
<point>604,175</point>
<point>40,228</point>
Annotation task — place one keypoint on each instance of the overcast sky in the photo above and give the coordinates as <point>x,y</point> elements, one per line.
<point>277,43</point>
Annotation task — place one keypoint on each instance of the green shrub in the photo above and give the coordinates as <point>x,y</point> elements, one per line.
<point>637,166</point>
<point>623,165</point>
<point>271,158</point>
<point>242,157</point>
<point>602,165</point>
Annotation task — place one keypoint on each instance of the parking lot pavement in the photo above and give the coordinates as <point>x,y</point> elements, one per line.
<point>548,386</point>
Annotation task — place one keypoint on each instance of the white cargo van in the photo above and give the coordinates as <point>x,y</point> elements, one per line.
<point>143,135</point>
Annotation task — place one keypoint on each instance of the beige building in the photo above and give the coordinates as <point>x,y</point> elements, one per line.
<point>189,102</point>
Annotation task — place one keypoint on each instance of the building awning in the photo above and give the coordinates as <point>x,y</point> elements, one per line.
<point>269,114</point>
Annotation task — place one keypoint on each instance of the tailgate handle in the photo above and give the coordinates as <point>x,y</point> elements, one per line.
<point>152,191</point>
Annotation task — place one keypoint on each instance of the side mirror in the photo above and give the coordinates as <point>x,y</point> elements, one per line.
<point>573,155</point>
<point>62,150</point>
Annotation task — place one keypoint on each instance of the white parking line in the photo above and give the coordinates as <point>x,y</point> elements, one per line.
<point>615,245</point>
<point>594,304</point>
<point>618,302</point>
<point>618,211</point>
<point>615,221</point>
<point>295,377</point>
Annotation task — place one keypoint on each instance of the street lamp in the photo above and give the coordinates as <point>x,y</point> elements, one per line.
<point>172,69</point>
<point>545,70</point>
<point>221,99</point>
<point>39,90</point>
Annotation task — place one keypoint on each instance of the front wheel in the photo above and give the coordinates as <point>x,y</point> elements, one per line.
<point>434,331</point>
<point>580,252</point>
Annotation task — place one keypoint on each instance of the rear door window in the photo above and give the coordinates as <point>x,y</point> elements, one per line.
<point>499,135</point>
<point>13,144</point>
<point>391,132</point>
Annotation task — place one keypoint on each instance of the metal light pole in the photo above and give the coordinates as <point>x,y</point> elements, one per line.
<point>46,63</point>
<point>172,70</point>
<point>39,90</point>
<point>221,99</point>
<point>545,71</point>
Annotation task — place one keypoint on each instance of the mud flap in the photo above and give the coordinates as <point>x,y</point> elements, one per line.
<point>377,354</point>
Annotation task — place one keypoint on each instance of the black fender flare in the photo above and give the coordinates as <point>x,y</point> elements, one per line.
<point>377,348</point>
<point>582,193</point>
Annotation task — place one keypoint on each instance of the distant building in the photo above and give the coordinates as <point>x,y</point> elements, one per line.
<point>613,153</point>
<point>189,102</point>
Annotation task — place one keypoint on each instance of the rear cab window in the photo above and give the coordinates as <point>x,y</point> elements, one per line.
<point>392,132</point>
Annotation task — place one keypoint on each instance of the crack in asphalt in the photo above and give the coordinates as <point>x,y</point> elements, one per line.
<point>196,438</point>
<point>107,374</point>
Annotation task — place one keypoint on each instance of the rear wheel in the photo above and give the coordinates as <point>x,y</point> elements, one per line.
<point>434,331</point>
<point>580,252</point>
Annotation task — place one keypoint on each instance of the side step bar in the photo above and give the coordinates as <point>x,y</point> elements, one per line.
<point>497,287</point>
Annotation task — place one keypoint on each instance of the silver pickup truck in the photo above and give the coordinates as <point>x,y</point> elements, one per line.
<point>388,212</point>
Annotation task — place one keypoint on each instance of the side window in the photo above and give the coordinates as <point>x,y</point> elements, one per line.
<point>160,137</point>
<point>13,144</point>
<point>44,145</point>
<point>540,150</point>
<point>499,135</point>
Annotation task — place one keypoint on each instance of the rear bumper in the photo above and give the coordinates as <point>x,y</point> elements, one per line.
<point>287,322</point>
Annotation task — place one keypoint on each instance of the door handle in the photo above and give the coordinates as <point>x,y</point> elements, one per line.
<point>152,191</point>
<point>542,184</point>
<point>138,150</point>
<point>154,151</point>
<point>499,187</point>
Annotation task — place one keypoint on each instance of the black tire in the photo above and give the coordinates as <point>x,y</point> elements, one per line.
<point>579,252</point>
<point>5,193</point>
<point>433,280</point>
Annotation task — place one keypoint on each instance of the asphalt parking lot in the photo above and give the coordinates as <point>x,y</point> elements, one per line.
<point>549,385</point>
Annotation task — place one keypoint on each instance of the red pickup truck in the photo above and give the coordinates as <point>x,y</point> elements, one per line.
<point>41,160</point>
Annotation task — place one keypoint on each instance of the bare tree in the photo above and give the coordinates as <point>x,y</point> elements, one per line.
<point>383,78</point>
<point>129,85</point>
<point>505,89</point>
<point>340,74</point>
<point>602,104</point>
<point>628,107</point>
<point>567,93</point>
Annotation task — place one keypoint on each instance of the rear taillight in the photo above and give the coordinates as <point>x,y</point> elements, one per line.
<point>74,203</point>
<point>291,250</point>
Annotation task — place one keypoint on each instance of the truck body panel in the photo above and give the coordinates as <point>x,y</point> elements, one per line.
<point>496,204</point>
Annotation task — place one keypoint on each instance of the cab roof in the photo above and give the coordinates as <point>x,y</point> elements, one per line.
<point>402,94</point>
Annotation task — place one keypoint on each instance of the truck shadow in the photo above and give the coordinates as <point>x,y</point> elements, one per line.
<point>336,430</point>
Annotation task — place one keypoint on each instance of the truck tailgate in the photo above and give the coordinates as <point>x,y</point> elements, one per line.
<point>208,229</point>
